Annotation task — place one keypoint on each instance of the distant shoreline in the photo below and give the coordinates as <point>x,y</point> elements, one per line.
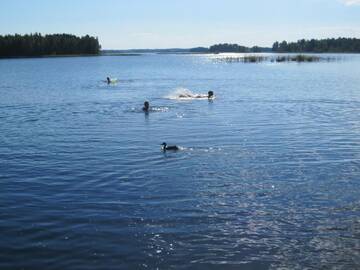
<point>120,54</point>
<point>50,45</point>
<point>68,45</point>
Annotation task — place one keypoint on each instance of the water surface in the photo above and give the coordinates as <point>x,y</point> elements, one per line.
<point>268,177</point>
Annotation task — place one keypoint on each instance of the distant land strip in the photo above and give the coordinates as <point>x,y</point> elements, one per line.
<point>330,45</point>
<point>37,45</point>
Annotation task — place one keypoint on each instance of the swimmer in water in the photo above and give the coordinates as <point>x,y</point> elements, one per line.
<point>166,147</point>
<point>210,95</point>
<point>146,106</point>
<point>108,80</point>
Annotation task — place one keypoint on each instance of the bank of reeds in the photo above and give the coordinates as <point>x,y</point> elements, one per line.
<point>297,58</point>
<point>300,58</point>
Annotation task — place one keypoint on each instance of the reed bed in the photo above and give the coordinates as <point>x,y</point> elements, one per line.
<point>300,58</point>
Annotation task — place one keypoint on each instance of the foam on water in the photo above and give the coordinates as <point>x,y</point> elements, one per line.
<point>186,94</point>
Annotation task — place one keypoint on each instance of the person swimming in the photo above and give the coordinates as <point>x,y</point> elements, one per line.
<point>146,107</point>
<point>166,147</point>
<point>210,95</point>
<point>108,80</point>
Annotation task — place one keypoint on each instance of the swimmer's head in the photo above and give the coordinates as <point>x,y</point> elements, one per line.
<point>210,94</point>
<point>146,106</point>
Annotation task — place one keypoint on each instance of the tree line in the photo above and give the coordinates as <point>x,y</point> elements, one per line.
<point>226,47</point>
<point>54,44</point>
<point>330,45</point>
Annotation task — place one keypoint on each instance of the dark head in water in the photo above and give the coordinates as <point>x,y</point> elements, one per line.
<point>108,80</point>
<point>165,147</point>
<point>210,94</point>
<point>146,106</point>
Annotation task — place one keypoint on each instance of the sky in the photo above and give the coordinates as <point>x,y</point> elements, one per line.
<point>136,24</point>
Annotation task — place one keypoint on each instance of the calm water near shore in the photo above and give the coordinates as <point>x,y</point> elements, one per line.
<point>268,176</point>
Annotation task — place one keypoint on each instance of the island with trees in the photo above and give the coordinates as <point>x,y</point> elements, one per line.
<point>36,45</point>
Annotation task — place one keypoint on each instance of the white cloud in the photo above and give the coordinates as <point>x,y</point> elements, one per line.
<point>351,2</point>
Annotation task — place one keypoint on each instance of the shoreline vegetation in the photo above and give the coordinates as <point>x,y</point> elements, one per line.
<point>37,45</point>
<point>67,45</point>
<point>330,45</point>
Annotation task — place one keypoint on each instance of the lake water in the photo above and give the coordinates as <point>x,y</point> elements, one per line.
<point>268,176</point>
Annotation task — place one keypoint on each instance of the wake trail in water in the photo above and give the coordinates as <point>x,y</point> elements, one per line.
<point>151,109</point>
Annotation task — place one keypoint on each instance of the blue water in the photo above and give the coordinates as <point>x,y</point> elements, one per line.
<point>268,176</point>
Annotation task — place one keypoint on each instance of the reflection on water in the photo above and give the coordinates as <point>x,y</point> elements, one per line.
<point>267,178</point>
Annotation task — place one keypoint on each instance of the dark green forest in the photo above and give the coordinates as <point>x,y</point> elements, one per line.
<point>227,48</point>
<point>48,45</point>
<point>220,48</point>
<point>330,45</point>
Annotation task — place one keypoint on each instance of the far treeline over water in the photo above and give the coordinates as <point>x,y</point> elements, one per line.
<point>55,44</point>
<point>330,45</point>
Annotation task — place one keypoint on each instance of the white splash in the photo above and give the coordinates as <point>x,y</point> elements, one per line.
<point>185,94</point>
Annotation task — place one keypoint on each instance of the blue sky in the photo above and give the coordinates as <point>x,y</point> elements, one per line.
<point>122,24</point>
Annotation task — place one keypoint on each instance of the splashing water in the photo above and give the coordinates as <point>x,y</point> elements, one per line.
<point>185,94</point>
<point>112,81</point>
